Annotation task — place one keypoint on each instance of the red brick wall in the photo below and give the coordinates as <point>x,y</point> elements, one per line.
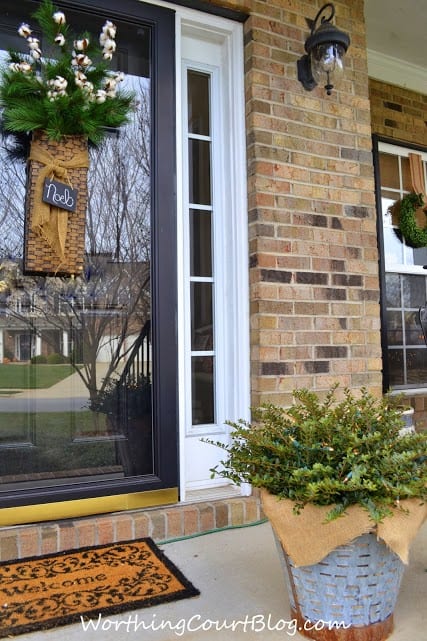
<point>313,246</point>
<point>398,113</point>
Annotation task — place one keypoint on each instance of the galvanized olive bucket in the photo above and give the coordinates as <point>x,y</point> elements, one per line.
<point>350,595</point>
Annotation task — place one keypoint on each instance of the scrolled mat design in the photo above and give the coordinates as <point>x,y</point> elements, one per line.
<point>57,589</point>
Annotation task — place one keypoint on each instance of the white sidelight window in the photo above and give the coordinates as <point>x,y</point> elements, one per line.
<point>214,311</point>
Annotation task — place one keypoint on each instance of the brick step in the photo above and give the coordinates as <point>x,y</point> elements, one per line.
<point>161,524</point>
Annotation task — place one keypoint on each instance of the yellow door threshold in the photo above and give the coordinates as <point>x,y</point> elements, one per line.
<point>86,507</point>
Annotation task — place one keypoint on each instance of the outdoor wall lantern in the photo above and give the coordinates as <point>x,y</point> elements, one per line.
<point>325,47</point>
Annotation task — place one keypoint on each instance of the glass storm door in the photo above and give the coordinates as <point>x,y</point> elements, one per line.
<point>82,411</point>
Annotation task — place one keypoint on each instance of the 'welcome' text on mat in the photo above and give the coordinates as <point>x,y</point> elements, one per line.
<point>57,589</point>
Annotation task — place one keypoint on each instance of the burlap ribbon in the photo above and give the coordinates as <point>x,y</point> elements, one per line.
<point>48,221</point>
<point>417,175</point>
<point>307,539</point>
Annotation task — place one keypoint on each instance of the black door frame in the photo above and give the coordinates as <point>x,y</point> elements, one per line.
<point>161,22</point>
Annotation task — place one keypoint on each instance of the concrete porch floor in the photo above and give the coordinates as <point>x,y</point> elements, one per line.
<point>240,579</point>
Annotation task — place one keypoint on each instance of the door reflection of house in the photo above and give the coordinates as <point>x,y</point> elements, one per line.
<point>23,348</point>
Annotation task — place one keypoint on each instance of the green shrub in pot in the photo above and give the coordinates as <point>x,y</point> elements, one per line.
<point>330,452</point>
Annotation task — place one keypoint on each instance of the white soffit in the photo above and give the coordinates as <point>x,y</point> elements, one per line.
<point>397,72</point>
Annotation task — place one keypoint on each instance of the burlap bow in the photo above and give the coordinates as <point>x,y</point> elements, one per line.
<point>48,221</point>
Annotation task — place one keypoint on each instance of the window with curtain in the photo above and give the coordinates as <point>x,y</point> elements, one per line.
<point>400,171</point>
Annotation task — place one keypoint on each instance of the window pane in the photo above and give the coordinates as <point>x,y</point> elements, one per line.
<point>390,210</point>
<point>420,256</point>
<point>200,243</point>
<point>416,363</point>
<point>202,370</point>
<point>393,248</point>
<point>414,290</point>
<point>395,363</point>
<point>392,290</point>
<point>413,331</point>
<point>394,328</point>
<point>198,103</point>
<point>389,168</point>
<point>406,174</point>
<point>199,172</point>
<point>201,317</point>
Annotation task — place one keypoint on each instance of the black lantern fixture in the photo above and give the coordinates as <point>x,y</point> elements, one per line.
<point>325,47</point>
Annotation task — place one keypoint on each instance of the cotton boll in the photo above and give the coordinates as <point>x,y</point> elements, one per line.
<point>24,30</point>
<point>109,45</point>
<point>60,83</point>
<point>59,17</point>
<point>25,67</point>
<point>81,45</point>
<point>60,39</point>
<point>109,29</point>
<point>80,78</point>
<point>81,60</point>
<point>33,43</point>
<point>110,85</point>
<point>101,96</point>
<point>88,87</point>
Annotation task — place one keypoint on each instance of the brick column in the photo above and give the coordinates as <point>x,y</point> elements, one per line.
<point>312,221</point>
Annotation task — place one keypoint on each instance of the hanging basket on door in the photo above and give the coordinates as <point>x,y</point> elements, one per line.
<point>56,205</point>
<point>64,96</point>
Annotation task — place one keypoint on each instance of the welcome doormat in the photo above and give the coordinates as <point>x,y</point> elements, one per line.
<point>57,589</point>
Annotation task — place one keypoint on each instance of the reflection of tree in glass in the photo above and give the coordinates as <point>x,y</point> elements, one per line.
<point>102,311</point>
<point>118,219</point>
<point>12,198</point>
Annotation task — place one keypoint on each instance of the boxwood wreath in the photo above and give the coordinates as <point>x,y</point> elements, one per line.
<point>414,235</point>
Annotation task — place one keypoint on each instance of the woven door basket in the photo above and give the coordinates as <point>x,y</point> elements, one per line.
<point>355,587</point>
<point>55,238</point>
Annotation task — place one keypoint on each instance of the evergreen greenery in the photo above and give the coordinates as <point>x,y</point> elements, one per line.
<point>330,452</point>
<point>66,89</point>
<point>414,236</point>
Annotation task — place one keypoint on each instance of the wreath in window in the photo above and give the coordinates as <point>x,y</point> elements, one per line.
<point>414,235</point>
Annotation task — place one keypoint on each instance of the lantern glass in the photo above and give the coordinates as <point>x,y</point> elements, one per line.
<point>327,59</point>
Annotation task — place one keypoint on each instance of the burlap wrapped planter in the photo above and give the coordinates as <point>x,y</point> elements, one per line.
<point>343,576</point>
<point>55,237</point>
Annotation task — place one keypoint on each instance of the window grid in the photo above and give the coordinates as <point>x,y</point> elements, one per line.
<point>202,280</point>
